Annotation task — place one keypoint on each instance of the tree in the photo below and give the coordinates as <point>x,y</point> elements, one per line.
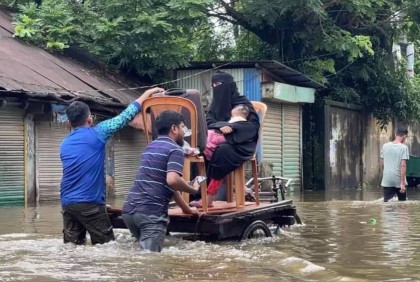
<point>133,36</point>
<point>345,44</point>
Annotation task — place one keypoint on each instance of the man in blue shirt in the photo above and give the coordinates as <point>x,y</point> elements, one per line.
<point>83,184</point>
<point>159,179</point>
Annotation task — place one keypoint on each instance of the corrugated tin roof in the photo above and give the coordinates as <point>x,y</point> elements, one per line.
<point>273,68</point>
<point>30,70</point>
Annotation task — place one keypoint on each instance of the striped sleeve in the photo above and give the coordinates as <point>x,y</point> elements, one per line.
<point>176,161</point>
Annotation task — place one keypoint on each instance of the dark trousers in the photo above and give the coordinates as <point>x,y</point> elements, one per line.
<point>389,193</point>
<point>93,218</point>
<point>149,230</point>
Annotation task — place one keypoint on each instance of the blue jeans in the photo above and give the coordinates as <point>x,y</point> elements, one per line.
<point>150,230</point>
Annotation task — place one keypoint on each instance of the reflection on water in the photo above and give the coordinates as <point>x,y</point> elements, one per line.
<point>346,236</point>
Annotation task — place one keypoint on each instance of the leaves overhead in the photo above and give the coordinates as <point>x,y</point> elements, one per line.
<point>345,44</point>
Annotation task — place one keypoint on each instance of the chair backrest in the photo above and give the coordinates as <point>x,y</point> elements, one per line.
<point>261,110</point>
<point>166,103</point>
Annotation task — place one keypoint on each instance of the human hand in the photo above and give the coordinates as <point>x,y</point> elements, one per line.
<point>191,151</point>
<point>149,93</point>
<point>402,188</point>
<point>194,210</point>
<point>196,185</point>
<point>226,129</point>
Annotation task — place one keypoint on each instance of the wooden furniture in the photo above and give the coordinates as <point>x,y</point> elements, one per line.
<point>236,179</point>
<point>165,103</point>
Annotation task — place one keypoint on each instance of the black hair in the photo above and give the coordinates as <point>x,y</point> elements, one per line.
<point>244,109</point>
<point>166,119</point>
<point>77,113</point>
<point>401,132</point>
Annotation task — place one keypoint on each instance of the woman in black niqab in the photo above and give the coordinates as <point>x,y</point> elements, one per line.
<point>241,143</point>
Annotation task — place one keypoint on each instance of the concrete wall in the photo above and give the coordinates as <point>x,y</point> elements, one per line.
<point>373,139</point>
<point>413,139</point>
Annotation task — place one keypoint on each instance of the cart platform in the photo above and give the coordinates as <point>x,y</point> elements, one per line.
<point>225,221</point>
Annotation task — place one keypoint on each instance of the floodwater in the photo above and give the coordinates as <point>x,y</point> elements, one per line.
<point>346,236</point>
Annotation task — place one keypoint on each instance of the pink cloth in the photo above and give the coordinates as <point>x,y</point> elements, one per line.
<point>214,139</point>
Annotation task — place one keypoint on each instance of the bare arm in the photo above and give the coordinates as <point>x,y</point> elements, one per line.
<point>176,182</point>
<point>382,164</point>
<point>403,171</point>
<point>182,204</point>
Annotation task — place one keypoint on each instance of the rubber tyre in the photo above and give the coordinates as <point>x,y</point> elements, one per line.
<point>254,226</point>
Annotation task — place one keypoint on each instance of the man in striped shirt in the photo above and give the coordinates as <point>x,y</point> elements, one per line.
<point>159,179</point>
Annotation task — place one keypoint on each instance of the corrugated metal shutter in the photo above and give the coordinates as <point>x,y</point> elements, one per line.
<point>48,164</point>
<point>271,141</point>
<point>291,143</point>
<point>128,146</point>
<point>12,156</point>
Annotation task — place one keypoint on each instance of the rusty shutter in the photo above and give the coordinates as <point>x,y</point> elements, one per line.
<point>48,164</point>
<point>12,156</point>
<point>128,143</point>
<point>271,140</point>
<point>292,143</point>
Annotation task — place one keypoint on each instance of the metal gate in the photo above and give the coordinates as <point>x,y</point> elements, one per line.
<point>291,156</point>
<point>48,164</point>
<point>271,140</point>
<point>128,146</point>
<point>12,156</point>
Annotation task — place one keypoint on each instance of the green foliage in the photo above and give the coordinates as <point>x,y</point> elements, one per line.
<point>345,44</point>
<point>133,35</point>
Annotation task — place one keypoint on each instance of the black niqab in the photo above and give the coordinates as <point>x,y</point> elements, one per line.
<point>241,143</point>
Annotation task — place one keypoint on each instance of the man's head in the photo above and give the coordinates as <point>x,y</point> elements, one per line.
<point>240,111</point>
<point>172,124</point>
<point>78,114</point>
<point>401,134</point>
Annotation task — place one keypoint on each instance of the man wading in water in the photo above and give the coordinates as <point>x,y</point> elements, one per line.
<point>394,156</point>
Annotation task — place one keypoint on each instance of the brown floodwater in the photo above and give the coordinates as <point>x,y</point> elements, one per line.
<point>346,236</point>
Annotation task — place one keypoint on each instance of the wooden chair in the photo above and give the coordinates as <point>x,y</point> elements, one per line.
<point>236,179</point>
<point>165,103</point>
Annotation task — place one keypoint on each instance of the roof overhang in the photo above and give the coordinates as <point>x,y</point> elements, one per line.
<point>276,70</point>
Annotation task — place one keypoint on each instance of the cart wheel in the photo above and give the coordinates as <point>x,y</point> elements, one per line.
<point>255,230</point>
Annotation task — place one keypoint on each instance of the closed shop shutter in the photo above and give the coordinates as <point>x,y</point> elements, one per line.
<point>271,141</point>
<point>12,156</point>
<point>48,164</point>
<point>291,143</point>
<point>129,143</point>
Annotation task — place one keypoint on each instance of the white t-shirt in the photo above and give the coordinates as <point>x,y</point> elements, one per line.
<point>392,154</point>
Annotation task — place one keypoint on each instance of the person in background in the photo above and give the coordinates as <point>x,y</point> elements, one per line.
<point>159,179</point>
<point>82,188</point>
<point>394,156</point>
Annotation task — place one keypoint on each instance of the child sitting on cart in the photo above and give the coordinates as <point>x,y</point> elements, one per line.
<point>215,137</point>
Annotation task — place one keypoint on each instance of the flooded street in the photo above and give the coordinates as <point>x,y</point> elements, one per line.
<point>346,236</point>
